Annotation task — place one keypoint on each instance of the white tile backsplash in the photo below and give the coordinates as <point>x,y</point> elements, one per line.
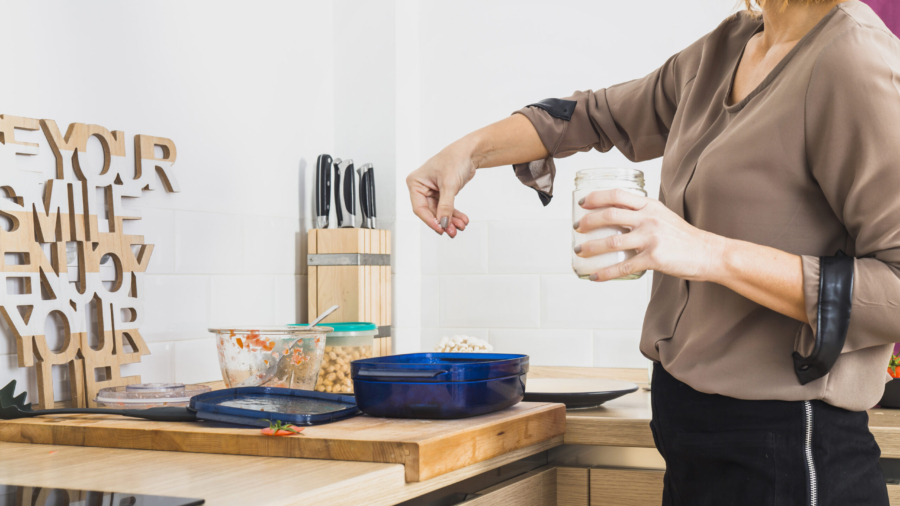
<point>546,347</point>
<point>289,300</point>
<point>407,307</point>
<point>209,243</point>
<point>618,348</point>
<point>197,361</point>
<point>490,301</point>
<point>428,247</point>
<point>241,300</point>
<point>175,307</point>
<point>465,254</point>
<point>570,302</point>
<point>158,228</point>
<point>406,254</point>
<point>157,367</point>
<point>271,245</point>
<point>530,247</point>
<point>405,340</point>
<point>431,297</point>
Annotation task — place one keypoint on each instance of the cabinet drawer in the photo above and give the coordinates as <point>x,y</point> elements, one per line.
<point>537,488</point>
<point>572,486</point>
<point>626,487</point>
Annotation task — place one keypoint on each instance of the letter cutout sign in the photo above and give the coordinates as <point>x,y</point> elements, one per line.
<point>48,226</point>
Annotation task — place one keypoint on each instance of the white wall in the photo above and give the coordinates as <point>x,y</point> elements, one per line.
<point>247,95</point>
<point>508,277</point>
<point>251,94</point>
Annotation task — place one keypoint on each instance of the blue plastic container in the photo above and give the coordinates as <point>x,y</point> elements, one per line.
<point>438,385</point>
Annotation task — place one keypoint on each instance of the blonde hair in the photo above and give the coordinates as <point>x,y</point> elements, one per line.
<point>751,4</point>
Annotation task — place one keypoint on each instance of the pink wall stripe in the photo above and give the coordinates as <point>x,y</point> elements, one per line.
<point>889,10</point>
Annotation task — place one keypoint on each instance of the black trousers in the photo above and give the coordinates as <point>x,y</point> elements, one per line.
<point>721,451</point>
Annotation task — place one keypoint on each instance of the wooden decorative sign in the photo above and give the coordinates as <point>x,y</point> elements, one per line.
<point>81,208</point>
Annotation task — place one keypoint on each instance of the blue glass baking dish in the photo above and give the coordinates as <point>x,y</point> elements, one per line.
<point>438,385</point>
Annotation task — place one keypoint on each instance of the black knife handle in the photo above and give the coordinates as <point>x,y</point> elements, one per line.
<point>337,192</point>
<point>350,189</point>
<point>363,192</point>
<point>323,186</point>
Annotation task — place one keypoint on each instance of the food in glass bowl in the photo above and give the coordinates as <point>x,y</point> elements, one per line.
<point>247,354</point>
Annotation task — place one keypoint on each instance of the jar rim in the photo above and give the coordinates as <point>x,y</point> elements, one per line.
<point>271,330</point>
<point>610,173</point>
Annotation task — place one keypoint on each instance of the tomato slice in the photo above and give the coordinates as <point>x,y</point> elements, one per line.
<point>280,433</point>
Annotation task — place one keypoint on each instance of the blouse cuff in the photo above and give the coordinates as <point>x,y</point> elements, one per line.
<point>828,305</point>
<point>550,119</point>
<point>811,292</point>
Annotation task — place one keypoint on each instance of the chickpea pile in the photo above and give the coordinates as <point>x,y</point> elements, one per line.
<point>334,376</point>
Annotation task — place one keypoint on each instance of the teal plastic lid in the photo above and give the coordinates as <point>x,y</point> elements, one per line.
<point>345,326</point>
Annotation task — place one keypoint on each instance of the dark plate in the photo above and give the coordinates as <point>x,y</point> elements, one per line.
<point>576,393</point>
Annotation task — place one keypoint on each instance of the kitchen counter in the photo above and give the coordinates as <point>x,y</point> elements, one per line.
<point>229,479</point>
<point>607,453</point>
<point>625,421</point>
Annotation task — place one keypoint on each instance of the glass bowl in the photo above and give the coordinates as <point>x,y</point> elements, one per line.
<point>246,354</point>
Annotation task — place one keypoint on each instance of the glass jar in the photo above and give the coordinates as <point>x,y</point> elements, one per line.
<point>588,181</point>
<point>348,341</point>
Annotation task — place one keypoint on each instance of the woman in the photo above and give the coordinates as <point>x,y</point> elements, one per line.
<point>780,138</point>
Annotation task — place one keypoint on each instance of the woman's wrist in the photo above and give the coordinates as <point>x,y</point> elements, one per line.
<point>724,259</point>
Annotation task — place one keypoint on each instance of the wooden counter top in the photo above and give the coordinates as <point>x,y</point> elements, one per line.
<point>225,480</point>
<point>625,421</point>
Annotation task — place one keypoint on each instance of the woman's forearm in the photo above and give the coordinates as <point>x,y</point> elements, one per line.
<point>433,187</point>
<point>509,141</point>
<point>666,243</point>
<point>767,276</point>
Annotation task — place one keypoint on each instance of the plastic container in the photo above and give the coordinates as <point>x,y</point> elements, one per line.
<point>588,181</point>
<point>348,341</point>
<point>439,385</point>
<point>148,395</point>
<point>247,353</point>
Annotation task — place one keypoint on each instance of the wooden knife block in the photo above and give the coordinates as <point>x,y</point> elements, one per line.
<point>363,292</point>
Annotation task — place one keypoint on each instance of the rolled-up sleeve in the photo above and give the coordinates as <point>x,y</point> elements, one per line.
<point>853,147</point>
<point>634,117</point>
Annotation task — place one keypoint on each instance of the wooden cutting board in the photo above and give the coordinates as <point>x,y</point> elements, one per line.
<point>427,448</point>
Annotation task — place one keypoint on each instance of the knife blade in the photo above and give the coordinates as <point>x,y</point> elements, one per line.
<point>323,190</point>
<point>345,193</point>
<point>367,195</point>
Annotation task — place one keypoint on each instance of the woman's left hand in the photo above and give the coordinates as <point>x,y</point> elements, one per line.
<point>663,240</point>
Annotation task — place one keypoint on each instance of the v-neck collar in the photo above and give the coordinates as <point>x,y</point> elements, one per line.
<point>737,107</point>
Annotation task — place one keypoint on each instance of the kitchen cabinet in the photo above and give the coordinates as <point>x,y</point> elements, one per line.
<point>537,488</point>
<point>573,486</point>
<point>626,487</point>
<point>608,487</point>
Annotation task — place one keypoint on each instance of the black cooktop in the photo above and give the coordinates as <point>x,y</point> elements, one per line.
<point>12,495</point>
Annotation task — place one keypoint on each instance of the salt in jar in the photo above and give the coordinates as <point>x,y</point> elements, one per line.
<point>588,181</point>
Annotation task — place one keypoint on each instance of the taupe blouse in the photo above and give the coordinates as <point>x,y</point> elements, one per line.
<point>808,163</point>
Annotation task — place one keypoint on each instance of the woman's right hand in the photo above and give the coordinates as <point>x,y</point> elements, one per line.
<point>433,187</point>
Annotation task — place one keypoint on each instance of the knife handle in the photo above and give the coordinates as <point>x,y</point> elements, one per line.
<point>367,196</point>
<point>323,190</point>
<point>338,208</point>
<point>345,190</point>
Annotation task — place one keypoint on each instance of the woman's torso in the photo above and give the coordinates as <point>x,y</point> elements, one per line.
<point>741,171</point>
